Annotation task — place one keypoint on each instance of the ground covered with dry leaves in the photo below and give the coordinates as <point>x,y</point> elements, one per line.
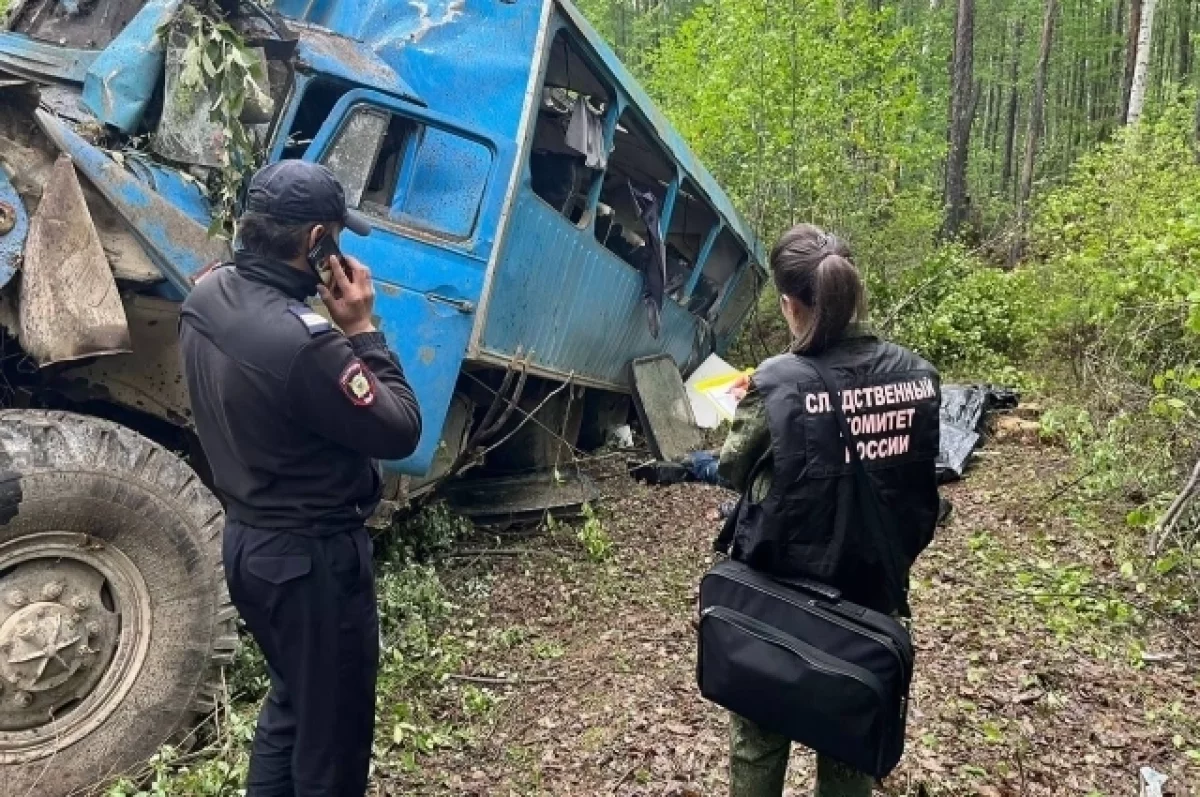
<point>1047,662</point>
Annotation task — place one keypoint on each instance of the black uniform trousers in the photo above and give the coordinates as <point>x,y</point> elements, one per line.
<point>309,602</point>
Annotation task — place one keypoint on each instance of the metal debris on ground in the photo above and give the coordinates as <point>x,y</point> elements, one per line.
<point>663,407</point>
<point>520,499</point>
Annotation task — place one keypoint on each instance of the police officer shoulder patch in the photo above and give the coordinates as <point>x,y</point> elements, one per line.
<point>313,321</point>
<point>358,384</point>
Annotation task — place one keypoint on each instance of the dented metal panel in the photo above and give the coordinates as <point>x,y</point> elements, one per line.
<point>469,59</point>
<point>340,57</point>
<point>70,308</point>
<point>176,243</point>
<point>20,55</point>
<point>151,379</point>
<point>120,82</point>
<point>589,321</point>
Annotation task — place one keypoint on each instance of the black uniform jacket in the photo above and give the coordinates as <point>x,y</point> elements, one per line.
<point>291,414</point>
<point>802,514</point>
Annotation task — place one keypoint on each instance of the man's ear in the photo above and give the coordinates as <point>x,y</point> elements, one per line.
<point>314,235</point>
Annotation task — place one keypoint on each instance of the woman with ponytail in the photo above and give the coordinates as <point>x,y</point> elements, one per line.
<point>799,515</point>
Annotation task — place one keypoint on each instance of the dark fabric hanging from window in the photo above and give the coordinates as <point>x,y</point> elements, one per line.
<point>652,257</point>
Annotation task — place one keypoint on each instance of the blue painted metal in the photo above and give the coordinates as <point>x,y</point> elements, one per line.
<point>668,206</point>
<point>176,243</point>
<point>427,285</point>
<point>702,258</point>
<point>121,80</point>
<point>469,59</point>
<point>470,263</point>
<point>12,243</point>
<point>288,117</point>
<point>336,56</point>
<point>29,58</point>
<point>590,321</point>
<point>172,185</point>
<point>576,305</point>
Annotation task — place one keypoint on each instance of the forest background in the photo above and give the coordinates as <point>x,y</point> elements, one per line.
<point>1018,179</point>
<point>1020,183</point>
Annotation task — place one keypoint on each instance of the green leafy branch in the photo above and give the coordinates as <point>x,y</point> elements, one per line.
<point>219,68</point>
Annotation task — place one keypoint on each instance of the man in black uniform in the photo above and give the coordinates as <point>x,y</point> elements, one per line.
<point>292,414</point>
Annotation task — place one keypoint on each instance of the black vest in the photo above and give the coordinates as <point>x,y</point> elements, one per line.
<point>810,522</point>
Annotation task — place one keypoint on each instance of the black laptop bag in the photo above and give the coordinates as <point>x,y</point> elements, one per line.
<point>796,659</point>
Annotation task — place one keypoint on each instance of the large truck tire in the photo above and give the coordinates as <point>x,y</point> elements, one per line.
<point>114,617</point>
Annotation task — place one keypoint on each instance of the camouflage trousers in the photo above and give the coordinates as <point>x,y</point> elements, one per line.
<point>758,762</point>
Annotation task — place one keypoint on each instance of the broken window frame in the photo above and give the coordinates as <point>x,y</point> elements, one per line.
<point>688,187</point>
<point>569,41</point>
<point>400,181</point>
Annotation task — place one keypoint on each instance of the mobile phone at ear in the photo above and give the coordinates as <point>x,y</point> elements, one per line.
<point>319,258</point>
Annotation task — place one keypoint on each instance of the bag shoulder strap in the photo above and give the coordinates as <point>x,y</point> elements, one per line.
<point>875,518</point>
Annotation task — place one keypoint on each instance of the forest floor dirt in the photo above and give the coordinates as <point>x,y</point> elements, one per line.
<point>1044,667</point>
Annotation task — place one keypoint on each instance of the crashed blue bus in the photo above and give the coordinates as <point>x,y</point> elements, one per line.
<point>519,183</point>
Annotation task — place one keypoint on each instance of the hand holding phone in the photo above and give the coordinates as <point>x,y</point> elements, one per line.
<point>350,296</point>
<point>320,258</point>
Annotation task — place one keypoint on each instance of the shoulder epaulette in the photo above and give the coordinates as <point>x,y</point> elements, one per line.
<point>313,321</point>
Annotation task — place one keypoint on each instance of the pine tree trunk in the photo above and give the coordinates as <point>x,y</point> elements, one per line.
<point>1132,30</point>
<point>1137,89</point>
<point>1036,107</point>
<point>1010,125</point>
<point>962,108</point>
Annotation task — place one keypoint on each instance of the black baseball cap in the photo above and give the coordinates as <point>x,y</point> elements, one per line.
<point>296,192</point>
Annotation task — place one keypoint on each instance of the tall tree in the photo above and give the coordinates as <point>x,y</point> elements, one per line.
<point>1137,88</point>
<point>1010,125</point>
<point>1036,107</point>
<point>1132,29</point>
<point>962,114</point>
<point>1184,52</point>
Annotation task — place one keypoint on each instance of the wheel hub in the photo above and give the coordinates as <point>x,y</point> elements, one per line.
<point>55,647</point>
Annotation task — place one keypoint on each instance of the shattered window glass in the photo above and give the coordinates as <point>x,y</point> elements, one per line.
<point>354,153</point>
<point>397,171</point>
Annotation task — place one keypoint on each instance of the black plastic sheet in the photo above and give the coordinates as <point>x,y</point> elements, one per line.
<point>964,410</point>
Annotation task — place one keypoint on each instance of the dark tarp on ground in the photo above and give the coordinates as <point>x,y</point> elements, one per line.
<point>964,408</point>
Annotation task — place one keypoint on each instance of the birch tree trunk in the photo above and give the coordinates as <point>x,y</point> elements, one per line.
<point>1137,89</point>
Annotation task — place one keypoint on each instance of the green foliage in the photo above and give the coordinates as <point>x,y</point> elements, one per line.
<point>593,537</point>
<point>1117,251</point>
<point>967,317</point>
<point>813,114</point>
<point>424,535</point>
<point>1119,255</point>
<point>1071,601</point>
<point>218,68</point>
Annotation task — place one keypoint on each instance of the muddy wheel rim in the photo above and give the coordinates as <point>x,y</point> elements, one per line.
<point>74,632</point>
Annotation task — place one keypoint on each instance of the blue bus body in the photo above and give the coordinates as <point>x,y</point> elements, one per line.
<point>444,118</point>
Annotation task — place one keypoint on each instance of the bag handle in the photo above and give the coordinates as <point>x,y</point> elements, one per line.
<point>874,517</point>
<point>815,588</point>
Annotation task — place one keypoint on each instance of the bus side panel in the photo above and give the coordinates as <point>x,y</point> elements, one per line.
<point>558,293</point>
